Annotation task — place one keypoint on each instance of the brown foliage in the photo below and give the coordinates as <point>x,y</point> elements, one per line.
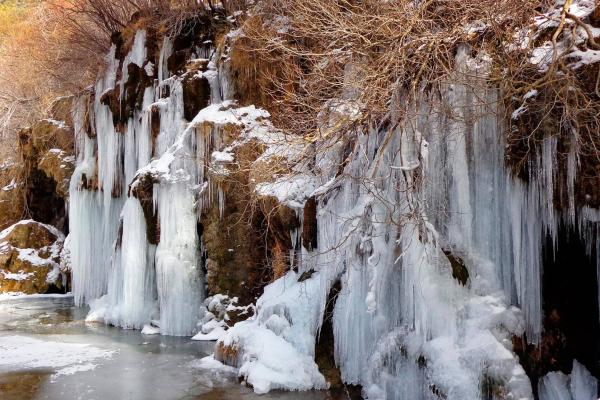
<point>56,47</point>
<point>305,53</point>
<point>303,59</point>
<point>566,104</point>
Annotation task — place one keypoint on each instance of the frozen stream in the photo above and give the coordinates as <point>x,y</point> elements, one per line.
<point>47,351</point>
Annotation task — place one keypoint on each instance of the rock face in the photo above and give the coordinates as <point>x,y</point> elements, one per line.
<point>58,165</point>
<point>247,238</point>
<point>46,151</point>
<point>35,183</point>
<point>12,196</point>
<point>29,259</point>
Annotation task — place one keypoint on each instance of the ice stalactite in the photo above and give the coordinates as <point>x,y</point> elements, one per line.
<point>165,52</point>
<point>130,301</point>
<point>399,302</point>
<point>93,211</point>
<point>131,298</point>
<point>475,211</point>
<point>483,213</point>
<point>180,284</point>
<point>406,198</point>
<point>138,138</point>
<point>178,276</point>
<point>136,56</point>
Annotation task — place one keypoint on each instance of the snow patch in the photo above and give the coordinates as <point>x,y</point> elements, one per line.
<point>21,353</point>
<point>277,345</point>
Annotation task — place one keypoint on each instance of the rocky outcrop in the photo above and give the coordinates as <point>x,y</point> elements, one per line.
<point>12,196</point>
<point>30,257</point>
<point>37,182</point>
<point>196,91</point>
<point>233,231</point>
<point>246,237</point>
<point>58,165</point>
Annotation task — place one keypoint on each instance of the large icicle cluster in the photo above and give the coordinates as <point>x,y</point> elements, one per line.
<point>127,279</point>
<point>94,215</point>
<point>412,205</point>
<point>137,195</point>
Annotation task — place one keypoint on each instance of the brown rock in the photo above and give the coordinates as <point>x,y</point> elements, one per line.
<point>143,191</point>
<point>61,109</point>
<point>45,150</point>
<point>30,257</point>
<point>196,94</point>
<point>12,196</point>
<point>59,166</point>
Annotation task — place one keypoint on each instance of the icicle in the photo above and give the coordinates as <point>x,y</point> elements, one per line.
<point>221,197</point>
<point>131,299</point>
<point>94,215</point>
<point>178,275</point>
<point>165,52</point>
<point>572,166</point>
<point>583,385</point>
<point>554,386</point>
<point>172,122</point>
<point>547,164</point>
<point>136,56</point>
<point>394,278</point>
<point>138,138</point>
<point>460,225</point>
<point>138,269</point>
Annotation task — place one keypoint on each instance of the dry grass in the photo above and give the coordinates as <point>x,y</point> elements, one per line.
<point>37,65</point>
<point>294,56</point>
<point>304,53</point>
<point>567,104</point>
<point>56,47</point>
<point>228,355</point>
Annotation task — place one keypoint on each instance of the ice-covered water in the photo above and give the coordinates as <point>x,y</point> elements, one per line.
<point>48,351</point>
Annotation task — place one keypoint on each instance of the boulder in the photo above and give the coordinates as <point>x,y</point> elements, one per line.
<point>61,109</point>
<point>30,258</point>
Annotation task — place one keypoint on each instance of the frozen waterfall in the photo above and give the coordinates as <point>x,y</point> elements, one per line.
<point>436,246</point>
<point>127,280</point>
